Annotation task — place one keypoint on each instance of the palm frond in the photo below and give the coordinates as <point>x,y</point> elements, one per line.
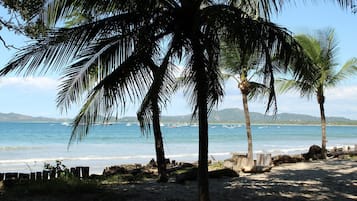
<point>61,46</point>
<point>126,84</point>
<point>257,90</point>
<point>311,46</point>
<point>104,55</point>
<point>259,8</point>
<point>302,86</point>
<point>348,69</point>
<point>57,11</point>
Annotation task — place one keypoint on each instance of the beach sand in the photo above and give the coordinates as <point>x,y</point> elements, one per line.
<point>318,180</point>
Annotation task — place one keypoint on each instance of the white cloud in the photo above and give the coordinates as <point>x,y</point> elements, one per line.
<point>33,83</point>
<point>342,93</point>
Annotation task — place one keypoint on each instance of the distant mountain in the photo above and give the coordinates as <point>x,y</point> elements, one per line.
<point>236,115</point>
<point>229,116</point>
<point>14,117</point>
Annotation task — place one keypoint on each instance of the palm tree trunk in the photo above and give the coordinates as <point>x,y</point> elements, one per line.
<point>202,100</point>
<point>248,129</point>
<point>159,146</point>
<point>203,147</point>
<point>323,129</point>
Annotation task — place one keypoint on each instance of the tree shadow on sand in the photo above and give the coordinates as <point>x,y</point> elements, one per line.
<point>334,183</point>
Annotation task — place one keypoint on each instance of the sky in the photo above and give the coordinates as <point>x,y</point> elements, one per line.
<point>36,96</point>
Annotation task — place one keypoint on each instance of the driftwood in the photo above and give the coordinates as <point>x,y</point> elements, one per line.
<point>123,169</point>
<point>188,175</point>
<point>280,159</point>
<point>258,169</point>
<point>342,154</point>
<point>179,167</point>
<point>239,162</point>
<point>222,173</point>
<point>191,174</point>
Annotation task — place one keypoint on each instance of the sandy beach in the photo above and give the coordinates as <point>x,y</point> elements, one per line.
<point>327,180</point>
<point>318,180</point>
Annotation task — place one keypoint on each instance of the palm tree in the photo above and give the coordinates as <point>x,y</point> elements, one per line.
<point>242,66</point>
<point>122,39</point>
<point>321,50</point>
<point>150,109</point>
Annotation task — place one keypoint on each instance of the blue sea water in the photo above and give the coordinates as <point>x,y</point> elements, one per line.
<point>25,147</point>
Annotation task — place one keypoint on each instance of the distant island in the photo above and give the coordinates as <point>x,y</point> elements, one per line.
<point>15,117</point>
<point>224,116</point>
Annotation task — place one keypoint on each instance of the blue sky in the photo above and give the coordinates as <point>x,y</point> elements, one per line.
<point>37,95</point>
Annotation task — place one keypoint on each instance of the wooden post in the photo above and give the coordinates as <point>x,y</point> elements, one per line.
<point>77,172</point>
<point>46,175</point>
<point>85,172</point>
<point>38,176</point>
<point>52,174</point>
<point>72,170</point>
<point>23,176</point>
<point>33,176</point>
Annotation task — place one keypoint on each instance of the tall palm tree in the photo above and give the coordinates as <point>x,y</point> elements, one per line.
<point>122,40</point>
<point>243,66</point>
<point>321,49</point>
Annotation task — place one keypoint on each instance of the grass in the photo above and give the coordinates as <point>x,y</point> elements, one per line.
<point>96,188</point>
<point>63,189</point>
<point>51,187</point>
<point>216,166</point>
<point>122,178</point>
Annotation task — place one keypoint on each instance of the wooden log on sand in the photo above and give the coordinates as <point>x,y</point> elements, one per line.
<point>191,174</point>
<point>280,159</point>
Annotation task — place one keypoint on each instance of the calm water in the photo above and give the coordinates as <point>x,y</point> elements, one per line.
<point>27,146</point>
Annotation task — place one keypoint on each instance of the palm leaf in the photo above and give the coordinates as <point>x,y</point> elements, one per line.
<point>76,77</point>
<point>61,46</point>
<point>126,83</point>
<point>347,70</point>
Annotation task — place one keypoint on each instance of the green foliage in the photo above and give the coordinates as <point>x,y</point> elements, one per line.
<point>24,16</point>
<point>60,169</point>
<point>28,9</point>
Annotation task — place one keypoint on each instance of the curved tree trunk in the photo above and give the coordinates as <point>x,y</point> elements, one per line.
<point>159,146</point>
<point>323,129</point>
<point>248,129</point>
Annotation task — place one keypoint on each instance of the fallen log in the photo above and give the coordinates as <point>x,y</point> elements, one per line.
<point>191,174</point>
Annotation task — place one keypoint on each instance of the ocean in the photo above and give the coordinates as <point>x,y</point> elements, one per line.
<point>25,147</point>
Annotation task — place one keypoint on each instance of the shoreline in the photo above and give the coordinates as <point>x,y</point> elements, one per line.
<point>98,164</point>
